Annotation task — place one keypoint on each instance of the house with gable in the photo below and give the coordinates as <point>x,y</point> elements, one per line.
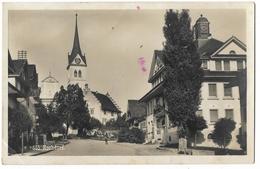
<point>221,62</point>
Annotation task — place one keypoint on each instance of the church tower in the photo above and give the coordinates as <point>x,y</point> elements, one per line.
<point>77,64</point>
<point>201,31</point>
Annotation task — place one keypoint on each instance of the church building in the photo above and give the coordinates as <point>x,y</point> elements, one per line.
<point>101,106</point>
<point>221,62</point>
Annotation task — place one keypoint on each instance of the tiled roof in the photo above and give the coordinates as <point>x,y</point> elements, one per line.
<point>106,102</point>
<point>209,47</point>
<point>136,109</point>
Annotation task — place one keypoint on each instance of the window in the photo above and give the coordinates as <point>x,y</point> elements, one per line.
<point>105,112</point>
<point>226,65</point>
<point>213,90</point>
<point>213,115</point>
<point>240,65</point>
<point>204,64</point>
<point>170,138</point>
<point>92,111</point>
<point>229,114</point>
<point>75,73</point>
<point>218,65</point>
<point>79,73</point>
<point>232,52</point>
<point>227,91</point>
<point>199,113</point>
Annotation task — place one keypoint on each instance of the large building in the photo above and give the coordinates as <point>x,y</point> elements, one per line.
<point>221,61</point>
<point>49,87</point>
<point>101,106</point>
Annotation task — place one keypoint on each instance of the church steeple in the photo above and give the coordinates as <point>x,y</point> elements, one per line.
<point>76,50</point>
<point>76,44</point>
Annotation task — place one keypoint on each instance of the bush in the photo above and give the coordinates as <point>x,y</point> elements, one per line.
<point>222,132</point>
<point>133,135</point>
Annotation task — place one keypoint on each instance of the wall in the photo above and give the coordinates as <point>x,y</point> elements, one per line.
<point>93,103</point>
<point>220,103</point>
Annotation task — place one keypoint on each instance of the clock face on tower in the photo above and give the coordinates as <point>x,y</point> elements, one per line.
<point>77,61</point>
<point>204,28</point>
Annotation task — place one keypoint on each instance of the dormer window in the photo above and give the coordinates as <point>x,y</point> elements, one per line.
<point>232,52</point>
<point>75,73</point>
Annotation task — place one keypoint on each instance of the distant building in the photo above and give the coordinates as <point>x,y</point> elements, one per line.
<point>101,106</point>
<point>136,113</point>
<point>49,87</point>
<point>221,62</point>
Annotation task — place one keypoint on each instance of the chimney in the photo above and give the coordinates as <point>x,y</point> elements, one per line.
<point>22,54</point>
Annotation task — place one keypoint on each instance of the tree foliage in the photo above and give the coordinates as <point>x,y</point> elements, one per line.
<point>94,124</point>
<point>48,121</point>
<point>183,72</point>
<point>222,132</point>
<point>120,122</point>
<point>71,107</point>
<point>195,125</point>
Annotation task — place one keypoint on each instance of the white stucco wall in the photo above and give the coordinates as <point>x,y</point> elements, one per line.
<point>220,103</point>
<point>93,103</point>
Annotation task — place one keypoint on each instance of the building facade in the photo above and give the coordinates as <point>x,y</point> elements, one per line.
<point>23,96</point>
<point>101,106</point>
<point>221,61</point>
<point>49,87</point>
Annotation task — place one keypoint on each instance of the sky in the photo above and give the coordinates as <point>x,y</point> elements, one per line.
<point>113,41</point>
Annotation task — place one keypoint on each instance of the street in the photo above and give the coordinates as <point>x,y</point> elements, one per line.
<point>87,147</point>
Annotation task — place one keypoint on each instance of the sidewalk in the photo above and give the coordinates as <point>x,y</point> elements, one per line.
<point>38,150</point>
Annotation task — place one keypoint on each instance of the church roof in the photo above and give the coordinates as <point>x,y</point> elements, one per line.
<point>76,50</point>
<point>106,102</point>
<point>50,79</point>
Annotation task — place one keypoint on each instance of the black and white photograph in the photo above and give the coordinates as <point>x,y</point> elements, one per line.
<point>153,80</point>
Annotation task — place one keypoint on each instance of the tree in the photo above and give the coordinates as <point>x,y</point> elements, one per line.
<point>195,125</point>
<point>183,73</point>
<point>71,107</point>
<point>222,132</point>
<point>120,122</point>
<point>94,124</point>
<point>48,121</point>
<point>19,121</point>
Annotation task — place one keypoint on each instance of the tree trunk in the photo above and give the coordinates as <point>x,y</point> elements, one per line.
<point>67,130</point>
<point>195,138</point>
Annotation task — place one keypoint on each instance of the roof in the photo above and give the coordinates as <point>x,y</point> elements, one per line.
<point>106,102</point>
<point>50,79</point>
<point>202,19</point>
<point>76,50</point>
<point>211,46</point>
<point>136,109</point>
<point>19,65</point>
<point>11,69</point>
<point>157,90</point>
<point>227,42</point>
<point>157,54</point>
